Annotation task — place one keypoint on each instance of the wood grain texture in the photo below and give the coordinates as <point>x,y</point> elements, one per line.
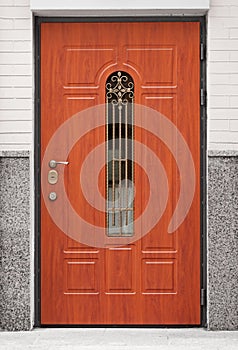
<point>155,280</point>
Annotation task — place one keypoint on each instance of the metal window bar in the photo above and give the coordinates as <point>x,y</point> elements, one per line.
<point>113,163</point>
<point>120,191</point>
<point>126,168</point>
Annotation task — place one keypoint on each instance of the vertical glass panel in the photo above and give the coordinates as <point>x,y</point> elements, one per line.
<point>120,149</point>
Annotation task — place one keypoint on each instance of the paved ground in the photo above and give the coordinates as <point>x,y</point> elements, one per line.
<point>119,339</point>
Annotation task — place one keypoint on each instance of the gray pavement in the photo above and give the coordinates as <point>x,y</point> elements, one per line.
<point>119,339</point>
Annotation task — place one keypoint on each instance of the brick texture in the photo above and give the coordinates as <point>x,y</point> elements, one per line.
<point>223,75</point>
<point>15,75</point>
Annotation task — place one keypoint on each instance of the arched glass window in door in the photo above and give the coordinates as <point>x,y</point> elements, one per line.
<point>120,149</point>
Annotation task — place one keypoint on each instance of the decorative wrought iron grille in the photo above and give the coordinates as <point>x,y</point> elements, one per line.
<point>120,169</point>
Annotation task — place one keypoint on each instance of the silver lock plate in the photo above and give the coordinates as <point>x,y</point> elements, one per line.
<point>52,196</point>
<point>52,177</point>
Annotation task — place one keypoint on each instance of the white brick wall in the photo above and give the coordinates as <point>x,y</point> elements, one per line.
<point>223,75</point>
<point>16,75</point>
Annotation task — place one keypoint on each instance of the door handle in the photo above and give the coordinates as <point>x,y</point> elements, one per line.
<point>53,163</point>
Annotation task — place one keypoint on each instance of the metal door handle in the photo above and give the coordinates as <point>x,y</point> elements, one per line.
<point>53,163</point>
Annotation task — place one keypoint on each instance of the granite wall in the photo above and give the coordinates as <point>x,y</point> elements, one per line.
<point>15,313</point>
<point>222,216</point>
<point>15,255</point>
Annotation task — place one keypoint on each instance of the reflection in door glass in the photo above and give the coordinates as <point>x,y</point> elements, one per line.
<point>120,169</point>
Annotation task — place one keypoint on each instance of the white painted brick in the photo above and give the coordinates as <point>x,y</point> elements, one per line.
<point>234,33</point>
<point>15,58</point>
<point>22,46</point>
<point>15,12</point>
<point>219,124</point>
<point>9,147</point>
<point>220,113</point>
<point>219,101</point>
<point>217,114</point>
<point>223,137</point>
<point>219,79</point>
<point>214,22</point>
<point>6,2</point>
<point>6,46</point>
<point>218,56</point>
<point>234,78</point>
<point>217,33</point>
<point>234,125</point>
<point>16,138</point>
<point>16,115</point>
<point>223,146</point>
<point>17,81</point>
<point>219,11</point>
<point>222,22</point>
<point>224,90</point>
<point>6,23</point>
<point>233,11</point>
<point>15,92</point>
<point>15,126</point>
<point>15,70</point>
<point>234,101</point>
<point>230,22</point>
<point>15,34</point>
<point>233,56</point>
<point>15,103</point>
<point>223,45</point>
<point>21,2</point>
<point>224,67</point>
<point>222,2</point>
<point>22,24</point>
<point>6,92</point>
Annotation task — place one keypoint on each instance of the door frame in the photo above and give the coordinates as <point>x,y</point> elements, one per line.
<point>203,149</point>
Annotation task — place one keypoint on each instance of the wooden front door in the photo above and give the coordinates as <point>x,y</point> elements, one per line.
<point>132,89</point>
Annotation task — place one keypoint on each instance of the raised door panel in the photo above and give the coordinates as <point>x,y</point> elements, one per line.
<point>84,65</point>
<point>159,64</point>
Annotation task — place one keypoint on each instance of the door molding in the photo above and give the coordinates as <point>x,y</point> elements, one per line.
<point>203,145</point>
<point>151,8</point>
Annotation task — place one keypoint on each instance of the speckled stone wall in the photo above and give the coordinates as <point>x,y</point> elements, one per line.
<point>223,240</point>
<point>15,313</point>
<point>15,257</point>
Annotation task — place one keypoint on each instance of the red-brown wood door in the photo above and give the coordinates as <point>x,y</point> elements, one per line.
<point>90,272</point>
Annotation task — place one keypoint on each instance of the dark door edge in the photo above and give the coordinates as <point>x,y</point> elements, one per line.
<point>37,153</point>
